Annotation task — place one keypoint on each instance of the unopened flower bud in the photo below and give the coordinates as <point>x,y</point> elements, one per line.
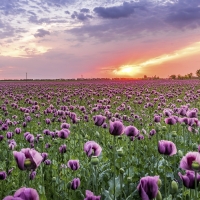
<point>41,138</point>
<point>159,183</point>
<point>97,134</point>
<point>174,134</point>
<point>180,153</point>
<point>159,196</point>
<point>129,179</point>
<point>54,179</point>
<point>120,152</point>
<point>174,187</point>
<point>94,160</point>
<point>164,128</point>
<point>121,171</point>
<point>194,147</point>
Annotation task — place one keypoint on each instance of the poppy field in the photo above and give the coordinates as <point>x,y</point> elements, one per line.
<point>92,140</point>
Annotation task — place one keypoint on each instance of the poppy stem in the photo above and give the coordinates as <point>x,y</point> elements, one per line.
<point>196,194</point>
<point>165,179</point>
<point>114,141</point>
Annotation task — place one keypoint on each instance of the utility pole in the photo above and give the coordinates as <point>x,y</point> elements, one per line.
<point>26,76</point>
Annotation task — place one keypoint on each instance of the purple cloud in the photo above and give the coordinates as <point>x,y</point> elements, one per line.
<point>41,33</point>
<point>115,12</point>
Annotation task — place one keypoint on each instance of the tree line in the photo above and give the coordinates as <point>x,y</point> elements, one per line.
<point>186,76</point>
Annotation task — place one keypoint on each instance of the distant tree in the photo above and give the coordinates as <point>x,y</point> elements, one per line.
<point>189,75</point>
<point>198,73</point>
<point>179,76</point>
<point>173,76</point>
<point>145,76</point>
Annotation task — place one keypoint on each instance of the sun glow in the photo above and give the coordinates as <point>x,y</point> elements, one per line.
<point>133,69</point>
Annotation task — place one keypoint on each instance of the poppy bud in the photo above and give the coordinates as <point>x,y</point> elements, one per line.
<point>41,138</point>
<point>54,179</point>
<point>120,152</point>
<point>174,134</point>
<point>174,187</point>
<point>164,128</point>
<point>159,196</point>
<point>129,179</point>
<point>94,160</point>
<point>194,146</point>
<point>180,153</point>
<point>159,183</point>
<point>121,171</point>
<point>97,134</point>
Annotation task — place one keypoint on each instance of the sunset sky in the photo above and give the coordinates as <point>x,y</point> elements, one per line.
<point>105,38</point>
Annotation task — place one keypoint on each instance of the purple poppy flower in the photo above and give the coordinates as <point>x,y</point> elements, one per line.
<point>90,196</point>
<point>64,133</point>
<point>3,175</point>
<point>116,128</point>
<point>65,126</point>
<point>91,148</point>
<point>47,145</point>
<point>9,135</point>
<point>75,183</point>
<point>18,130</point>
<point>189,179</point>
<point>24,124</point>
<point>24,194</point>
<point>48,121</point>
<point>27,159</point>
<point>12,144</point>
<point>152,132</point>
<point>63,148</point>
<point>131,131</point>
<point>192,114</point>
<point>46,132</point>
<point>186,161</point>
<point>104,125</point>
<point>1,137</point>
<point>99,120</point>
<point>32,175</point>
<point>44,156</point>
<point>148,187</point>
<point>157,119</point>
<point>73,164</point>
<point>140,137</point>
<point>47,162</point>
<point>170,120</point>
<point>29,137</point>
<point>4,127</point>
<point>167,147</point>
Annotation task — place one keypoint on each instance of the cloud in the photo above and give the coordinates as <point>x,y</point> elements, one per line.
<point>115,12</point>
<point>80,16</point>
<point>59,3</point>
<point>85,10</point>
<point>41,33</point>
<point>35,20</point>
<point>67,12</point>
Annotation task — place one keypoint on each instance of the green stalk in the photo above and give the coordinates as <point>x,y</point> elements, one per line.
<point>196,195</point>
<point>121,179</point>
<point>165,181</point>
<point>114,141</point>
